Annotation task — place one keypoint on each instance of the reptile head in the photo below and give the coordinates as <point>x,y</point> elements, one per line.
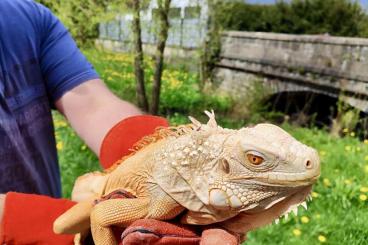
<point>263,170</point>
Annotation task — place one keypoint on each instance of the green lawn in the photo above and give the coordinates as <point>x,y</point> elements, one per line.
<point>338,213</point>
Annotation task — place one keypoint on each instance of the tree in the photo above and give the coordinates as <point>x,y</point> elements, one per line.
<point>212,43</point>
<point>163,29</point>
<point>162,22</point>
<point>138,56</point>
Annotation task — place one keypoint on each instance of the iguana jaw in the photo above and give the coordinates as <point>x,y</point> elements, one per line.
<point>262,217</point>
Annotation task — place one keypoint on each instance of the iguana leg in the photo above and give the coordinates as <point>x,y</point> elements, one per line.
<point>121,212</point>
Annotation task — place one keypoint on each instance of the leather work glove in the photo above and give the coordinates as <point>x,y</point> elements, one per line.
<point>149,231</point>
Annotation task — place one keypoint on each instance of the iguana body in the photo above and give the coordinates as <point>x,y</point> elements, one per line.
<point>214,175</point>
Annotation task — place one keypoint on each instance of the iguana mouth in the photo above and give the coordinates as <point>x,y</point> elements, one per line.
<point>252,219</point>
<point>291,199</point>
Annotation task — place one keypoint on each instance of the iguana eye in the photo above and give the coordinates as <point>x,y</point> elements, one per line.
<point>256,160</point>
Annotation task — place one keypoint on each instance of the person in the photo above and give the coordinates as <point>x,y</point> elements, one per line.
<point>41,68</point>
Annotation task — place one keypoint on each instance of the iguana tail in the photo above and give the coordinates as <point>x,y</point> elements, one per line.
<point>88,186</point>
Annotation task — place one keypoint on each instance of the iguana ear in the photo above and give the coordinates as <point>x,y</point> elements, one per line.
<point>120,139</point>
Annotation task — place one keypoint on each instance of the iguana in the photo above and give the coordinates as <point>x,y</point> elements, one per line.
<point>239,179</point>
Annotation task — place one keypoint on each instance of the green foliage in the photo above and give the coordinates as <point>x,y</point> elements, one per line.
<point>82,17</point>
<point>74,156</point>
<point>335,17</point>
<point>180,90</point>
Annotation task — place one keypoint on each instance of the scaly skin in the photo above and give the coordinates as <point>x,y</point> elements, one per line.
<point>240,179</point>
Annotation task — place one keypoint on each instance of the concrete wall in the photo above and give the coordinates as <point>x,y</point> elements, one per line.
<point>322,63</point>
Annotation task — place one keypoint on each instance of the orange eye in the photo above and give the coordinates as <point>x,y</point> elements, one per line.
<point>256,160</point>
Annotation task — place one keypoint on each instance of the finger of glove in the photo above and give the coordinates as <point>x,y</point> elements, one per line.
<point>219,236</point>
<point>155,232</point>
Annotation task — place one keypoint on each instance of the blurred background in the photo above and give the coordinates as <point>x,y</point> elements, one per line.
<point>301,64</point>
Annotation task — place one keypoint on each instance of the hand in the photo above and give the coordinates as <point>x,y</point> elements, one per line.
<point>2,204</point>
<point>150,231</point>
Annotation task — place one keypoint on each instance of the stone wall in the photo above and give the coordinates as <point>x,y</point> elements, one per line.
<point>322,64</point>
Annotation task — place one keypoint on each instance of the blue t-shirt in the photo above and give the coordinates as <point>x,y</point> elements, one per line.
<point>39,62</point>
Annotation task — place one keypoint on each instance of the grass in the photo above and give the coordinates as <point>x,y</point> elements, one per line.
<point>338,213</point>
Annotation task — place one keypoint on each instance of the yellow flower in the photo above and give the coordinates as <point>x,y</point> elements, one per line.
<point>315,194</point>
<point>322,238</point>
<point>304,219</point>
<point>345,130</point>
<point>363,189</point>
<point>352,134</point>
<point>347,182</point>
<point>366,141</point>
<point>363,197</point>
<point>297,232</point>
<point>347,148</point>
<point>326,182</point>
<point>59,146</point>
<point>322,153</point>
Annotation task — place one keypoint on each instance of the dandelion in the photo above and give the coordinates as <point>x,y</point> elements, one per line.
<point>60,145</point>
<point>326,182</point>
<point>304,219</point>
<point>345,130</point>
<point>322,238</point>
<point>315,194</point>
<point>297,232</point>
<point>347,182</point>
<point>366,141</point>
<point>363,189</point>
<point>352,134</point>
<point>363,197</point>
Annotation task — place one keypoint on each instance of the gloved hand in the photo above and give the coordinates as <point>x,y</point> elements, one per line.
<point>155,232</point>
<point>148,231</point>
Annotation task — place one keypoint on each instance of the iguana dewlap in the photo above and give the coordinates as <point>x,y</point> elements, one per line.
<point>240,179</point>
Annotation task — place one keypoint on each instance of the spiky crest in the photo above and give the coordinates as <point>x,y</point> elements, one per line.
<point>159,134</point>
<point>165,132</point>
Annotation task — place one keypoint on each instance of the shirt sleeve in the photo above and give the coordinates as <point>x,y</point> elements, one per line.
<point>62,63</point>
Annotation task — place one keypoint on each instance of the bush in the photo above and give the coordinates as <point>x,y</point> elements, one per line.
<point>335,17</point>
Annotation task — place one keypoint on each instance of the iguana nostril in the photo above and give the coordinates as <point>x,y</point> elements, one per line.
<point>308,164</point>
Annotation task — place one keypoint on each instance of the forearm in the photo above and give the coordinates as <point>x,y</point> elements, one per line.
<point>92,110</point>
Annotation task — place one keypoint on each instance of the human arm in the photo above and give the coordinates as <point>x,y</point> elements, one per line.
<point>92,110</point>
